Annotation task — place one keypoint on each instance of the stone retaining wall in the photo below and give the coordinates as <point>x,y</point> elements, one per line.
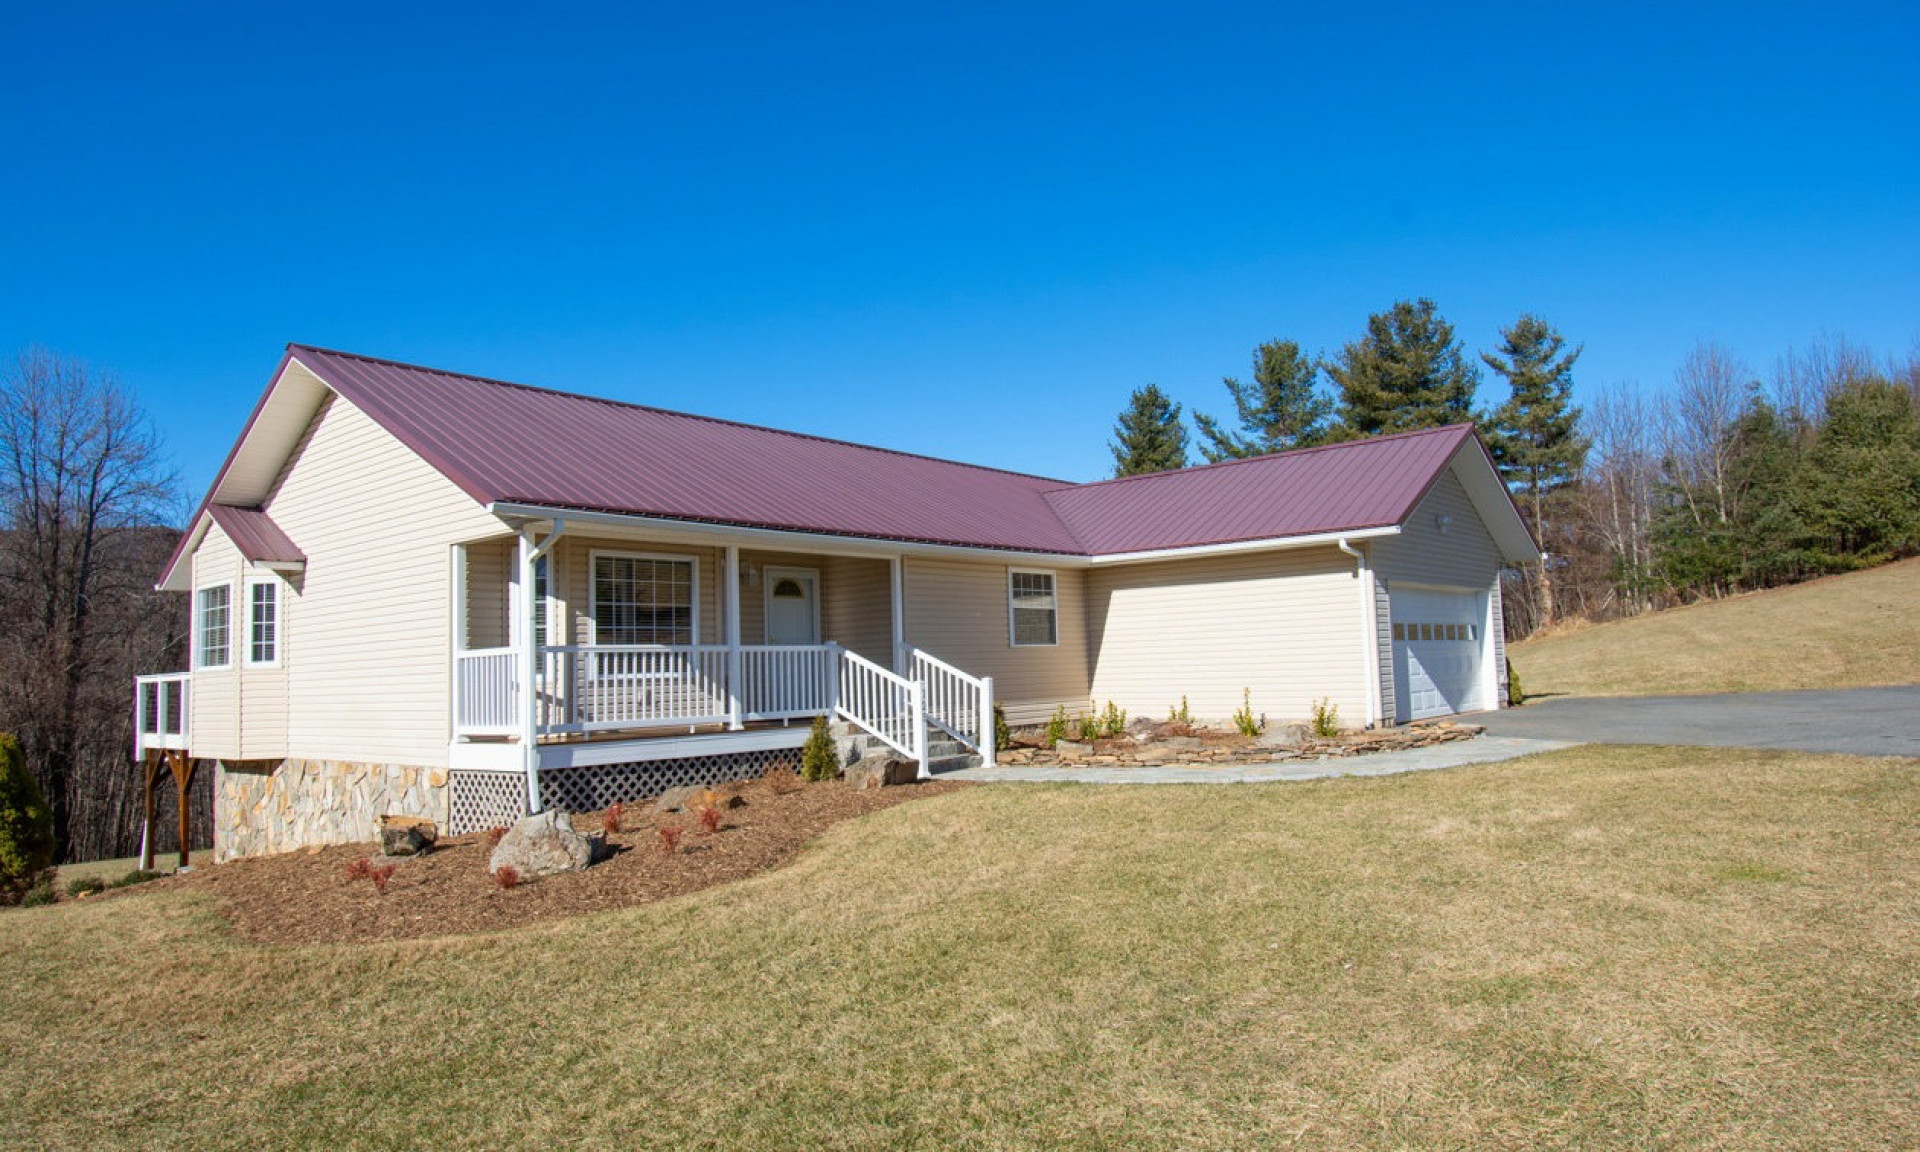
<point>263,807</point>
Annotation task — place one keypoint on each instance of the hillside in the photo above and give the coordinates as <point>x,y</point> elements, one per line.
<point>1847,631</point>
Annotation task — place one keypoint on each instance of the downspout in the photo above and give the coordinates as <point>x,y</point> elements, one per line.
<point>1369,631</point>
<point>530,555</point>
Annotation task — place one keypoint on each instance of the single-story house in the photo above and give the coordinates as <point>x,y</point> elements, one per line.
<point>422,591</point>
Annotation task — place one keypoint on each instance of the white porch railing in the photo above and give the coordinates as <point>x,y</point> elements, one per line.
<point>786,681</point>
<point>596,687</point>
<point>161,719</point>
<point>889,706</point>
<point>484,692</point>
<point>957,703</point>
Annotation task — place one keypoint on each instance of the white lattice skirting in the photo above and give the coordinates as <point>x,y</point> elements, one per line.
<point>481,800</point>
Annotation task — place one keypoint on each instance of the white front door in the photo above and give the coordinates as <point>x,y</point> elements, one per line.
<point>1438,638</point>
<point>793,606</point>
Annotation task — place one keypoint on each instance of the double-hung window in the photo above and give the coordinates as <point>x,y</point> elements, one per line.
<point>643,599</point>
<point>263,623</point>
<point>1032,609</point>
<point>213,627</point>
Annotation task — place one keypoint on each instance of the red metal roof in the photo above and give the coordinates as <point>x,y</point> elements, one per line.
<point>509,443</point>
<point>255,534</point>
<point>1338,488</point>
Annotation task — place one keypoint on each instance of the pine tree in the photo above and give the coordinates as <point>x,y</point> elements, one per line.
<point>1280,408</point>
<point>1149,436</point>
<point>1535,434</point>
<point>1406,373</point>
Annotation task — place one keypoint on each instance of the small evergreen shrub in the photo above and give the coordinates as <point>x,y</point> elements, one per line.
<point>40,894</point>
<point>820,756</point>
<point>1002,735</point>
<point>1182,715</point>
<point>1516,695</point>
<point>137,876</point>
<point>86,886</point>
<point>1326,718</point>
<point>26,825</point>
<point>1244,720</point>
<point>1057,726</point>
<point>1086,727</point>
<point>1113,721</point>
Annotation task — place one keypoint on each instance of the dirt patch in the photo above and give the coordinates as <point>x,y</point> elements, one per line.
<point>308,898</point>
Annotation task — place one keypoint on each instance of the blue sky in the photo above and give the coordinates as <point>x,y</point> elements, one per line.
<point>964,229</point>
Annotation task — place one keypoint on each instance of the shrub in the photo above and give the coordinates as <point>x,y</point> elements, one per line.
<point>781,779</point>
<point>1181,715</point>
<point>86,886</point>
<point>1113,721</point>
<point>380,877</point>
<point>26,824</point>
<point>40,894</point>
<point>1002,735</point>
<point>1087,727</point>
<point>709,819</point>
<point>1326,718</point>
<point>1516,696</point>
<point>494,836</point>
<point>1057,726</point>
<point>820,756</point>
<point>610,819</point>
<point>1243,719</point>
<point>137,876</point>
<point>507,877</point>
<point>361,869</point>
<point>669,839</point>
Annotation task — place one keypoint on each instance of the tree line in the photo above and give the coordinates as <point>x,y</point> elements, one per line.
<point>86,504</point>
<point>1723,482</point>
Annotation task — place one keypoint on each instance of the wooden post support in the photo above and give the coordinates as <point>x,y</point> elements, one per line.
<point>183,766</point>
<point>150,766</point>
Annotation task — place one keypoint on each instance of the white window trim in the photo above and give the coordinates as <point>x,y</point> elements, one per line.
<point>197,646</point>
<point>279,620</point>
<point>593,589</point>
<point>1053,580</point>
<point>769,577</point>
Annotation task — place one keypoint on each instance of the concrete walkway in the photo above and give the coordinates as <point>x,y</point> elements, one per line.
<point>1481,750</point>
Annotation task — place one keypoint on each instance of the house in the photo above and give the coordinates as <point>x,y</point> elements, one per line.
<point>421,591</point>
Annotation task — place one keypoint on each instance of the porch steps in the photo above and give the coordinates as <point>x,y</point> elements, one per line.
<point>944,753</point>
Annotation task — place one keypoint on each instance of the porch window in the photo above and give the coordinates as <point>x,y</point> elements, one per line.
<point>1032,608</point>
<point>263,623</point>
<point>213,618</point>
<point>643,599</point>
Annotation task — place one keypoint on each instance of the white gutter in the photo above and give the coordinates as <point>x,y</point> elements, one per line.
<point>695,531</point>
<point>1369,630</point>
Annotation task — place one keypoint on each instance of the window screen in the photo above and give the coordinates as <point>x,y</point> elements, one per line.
<point>263,623</point>
<point>642,600</point>
<point>1035,619</point>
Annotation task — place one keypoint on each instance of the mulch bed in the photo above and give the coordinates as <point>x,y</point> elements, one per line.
<point>307,898</point>
<point>1198,747</point>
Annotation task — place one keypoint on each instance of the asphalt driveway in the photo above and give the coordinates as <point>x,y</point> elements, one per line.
<point>1858,721</point>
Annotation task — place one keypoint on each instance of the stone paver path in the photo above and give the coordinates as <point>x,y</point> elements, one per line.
<point>1481,750</point>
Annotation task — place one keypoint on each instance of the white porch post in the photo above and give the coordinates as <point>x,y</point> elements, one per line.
<point>989,724</point>
<point>898,580</point>
<point>527,642</point>
<point>731,579</point>
<point>457,632</point>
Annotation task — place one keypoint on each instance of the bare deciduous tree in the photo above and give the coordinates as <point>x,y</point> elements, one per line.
<point>84,497</point>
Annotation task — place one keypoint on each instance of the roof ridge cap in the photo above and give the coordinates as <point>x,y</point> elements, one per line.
<point>632,405</point>
<point>1291,452</point>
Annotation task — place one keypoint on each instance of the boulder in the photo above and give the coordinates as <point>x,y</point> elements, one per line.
<point>407,835</point>
<point>542,845</point>
<point>1073,748</point>
<point>693,797</point>
<point>1285,736</point>
<point>881,770</point>
<point>675,799</point>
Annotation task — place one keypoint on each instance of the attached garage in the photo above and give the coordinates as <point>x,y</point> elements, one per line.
<point>1440,647</point>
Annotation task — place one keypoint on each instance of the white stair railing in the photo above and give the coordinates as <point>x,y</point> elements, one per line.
<point>959,704</point>
<point>888,706</point>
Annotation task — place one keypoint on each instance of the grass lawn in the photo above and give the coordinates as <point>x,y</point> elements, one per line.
<point>1623,946</point>
<point>1848,631</point>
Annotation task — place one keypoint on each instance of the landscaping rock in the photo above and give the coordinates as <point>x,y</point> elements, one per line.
<point>1286,736</point>
<point>1181,743</point>
<point>693,797</point>
<point>1072,748</point>
<point>881,770</point>
<point>407,835</point>
<point>675,799</point>
<point>544,844</point>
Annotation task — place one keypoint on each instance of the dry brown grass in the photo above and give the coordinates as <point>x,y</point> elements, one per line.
<point>1848,631</point>
<point>1598,947</point>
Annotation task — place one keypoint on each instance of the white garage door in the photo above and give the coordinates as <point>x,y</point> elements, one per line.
<point>1438,638</point>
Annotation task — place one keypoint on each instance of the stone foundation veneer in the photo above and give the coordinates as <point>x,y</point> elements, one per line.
<point>263,807</point>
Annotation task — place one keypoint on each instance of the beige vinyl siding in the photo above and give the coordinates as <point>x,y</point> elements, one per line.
<point>489,578</point>
<point>239,713</point>
<point>856,606</point>
<point>957,610</point>
<point>1464,556</point>
<point>1286,625</point>
<point>370,644</point>
<point>1383,641</point>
